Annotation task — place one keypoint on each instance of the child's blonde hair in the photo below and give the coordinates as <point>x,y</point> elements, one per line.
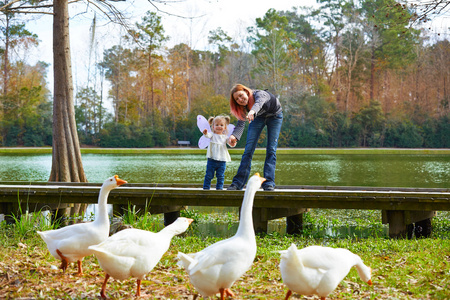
<point>226,118</point>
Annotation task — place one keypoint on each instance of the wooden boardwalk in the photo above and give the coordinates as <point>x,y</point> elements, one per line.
<point>400,206</point>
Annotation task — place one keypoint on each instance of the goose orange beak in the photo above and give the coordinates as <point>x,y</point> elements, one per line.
<point>260,178</point>
<point>369,282</point>
<point>190,221</point>
<point>119,181</point>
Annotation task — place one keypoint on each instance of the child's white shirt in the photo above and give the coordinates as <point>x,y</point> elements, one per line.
<point>217,148</point>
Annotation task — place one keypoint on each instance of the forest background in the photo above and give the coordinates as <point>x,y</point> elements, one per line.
<point>348,74</point>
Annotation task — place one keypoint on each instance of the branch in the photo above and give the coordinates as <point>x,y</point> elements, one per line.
<point>170,14</point>
<point>31,7</point>
<point>426,8</point>
<point>22,9</point>
<point>8,4</point>
<point>33,12</point>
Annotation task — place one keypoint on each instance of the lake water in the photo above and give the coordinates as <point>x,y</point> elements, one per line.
<point>421,171</point>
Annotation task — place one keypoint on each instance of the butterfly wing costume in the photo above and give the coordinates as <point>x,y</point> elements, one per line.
<point>203,124</point>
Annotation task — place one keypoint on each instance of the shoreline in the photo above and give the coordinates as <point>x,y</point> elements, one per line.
<point>258,151</point>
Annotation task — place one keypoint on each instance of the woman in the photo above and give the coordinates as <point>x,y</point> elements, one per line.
<point>261,109</point>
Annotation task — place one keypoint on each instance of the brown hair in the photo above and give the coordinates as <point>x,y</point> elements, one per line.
<point>227,120</point>
<point>237,110</point>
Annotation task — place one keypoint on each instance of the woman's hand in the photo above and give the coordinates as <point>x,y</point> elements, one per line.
<point>232,141</point>
<point>251,115</point>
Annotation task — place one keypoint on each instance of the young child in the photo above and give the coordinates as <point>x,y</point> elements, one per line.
<point>217,152</point>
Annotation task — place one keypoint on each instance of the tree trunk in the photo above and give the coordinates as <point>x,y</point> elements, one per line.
<point>5,74</point>
<point>152,97</point>
<point>372,72</point>
<point>338,72</point>
<point>188,82</point>
<point>66,156</point>
<point>6,58</point>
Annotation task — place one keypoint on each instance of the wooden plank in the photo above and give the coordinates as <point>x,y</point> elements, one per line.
<point>200,185</point>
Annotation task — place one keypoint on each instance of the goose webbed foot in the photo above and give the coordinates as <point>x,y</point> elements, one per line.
<point>102,292</point>
<point>229,293</point>
<point>225,293</point>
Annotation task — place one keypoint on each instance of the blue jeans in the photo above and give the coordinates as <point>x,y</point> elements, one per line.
<point>254,130</point>
<point>218,167</point>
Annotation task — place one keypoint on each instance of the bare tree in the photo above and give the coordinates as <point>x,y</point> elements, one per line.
<point>427,9</point>
<point>352,47</point>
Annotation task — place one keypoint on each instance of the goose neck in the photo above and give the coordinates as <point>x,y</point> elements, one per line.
<point>168,231</point>
<point>102,215</point>
<point>363,270</point>
<point>246,219</point>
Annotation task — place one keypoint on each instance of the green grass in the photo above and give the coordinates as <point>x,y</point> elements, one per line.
<point>402,269</point>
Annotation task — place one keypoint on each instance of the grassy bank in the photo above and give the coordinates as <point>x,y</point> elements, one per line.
<point>402,269</point>
<point>188,150</point>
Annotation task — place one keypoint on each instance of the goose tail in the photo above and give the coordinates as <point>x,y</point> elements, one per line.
<point>44,236</point>
<point>291,255</point>
<point>97,249</point>
<point>185,260</point>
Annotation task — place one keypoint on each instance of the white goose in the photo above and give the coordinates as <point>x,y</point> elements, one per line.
<point>214,269</point>
<point>134,252</point>
<point>71,243</point>
<point>318,270</point>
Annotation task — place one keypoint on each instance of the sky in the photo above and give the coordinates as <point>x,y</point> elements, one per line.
<point>233,16</point>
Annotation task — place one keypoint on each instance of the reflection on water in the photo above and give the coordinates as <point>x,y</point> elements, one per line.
<point>431,171</point>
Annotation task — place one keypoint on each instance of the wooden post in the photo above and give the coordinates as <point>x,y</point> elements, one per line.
<point>260,222</point>
<point>294,224</point>
<point>170,217</point>
<point>7,209</point>
<point>397,225</point>
<point>401,222</point>
<point>294,218</point>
